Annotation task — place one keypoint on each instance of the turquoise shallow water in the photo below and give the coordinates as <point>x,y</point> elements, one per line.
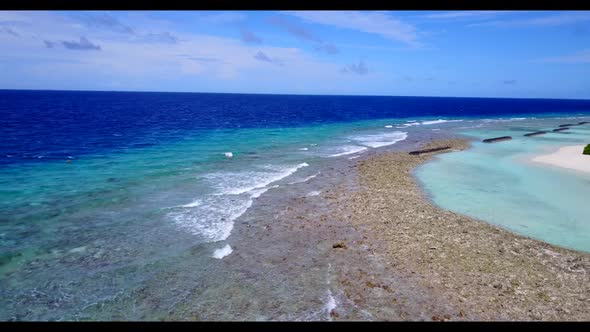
<point>499,184</point>
<point>79,239</point>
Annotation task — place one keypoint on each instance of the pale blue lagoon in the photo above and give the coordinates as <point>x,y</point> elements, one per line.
<point>498,183</point>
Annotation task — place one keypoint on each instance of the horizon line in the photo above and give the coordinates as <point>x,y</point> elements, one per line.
<point>289,94</point>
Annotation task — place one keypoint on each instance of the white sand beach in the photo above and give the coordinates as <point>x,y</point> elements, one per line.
<point>570,157</point>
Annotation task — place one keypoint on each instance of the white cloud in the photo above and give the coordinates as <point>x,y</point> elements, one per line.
<point>124,60</point>
<point>377,22</point>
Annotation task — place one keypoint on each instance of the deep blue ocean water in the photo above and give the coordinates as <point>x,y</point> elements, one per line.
<point>57,124</point>
<point>105,194</point>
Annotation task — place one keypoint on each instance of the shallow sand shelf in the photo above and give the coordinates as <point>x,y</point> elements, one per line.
<point>569,157</point>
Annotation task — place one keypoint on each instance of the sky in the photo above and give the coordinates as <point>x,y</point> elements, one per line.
<point>532,54</point>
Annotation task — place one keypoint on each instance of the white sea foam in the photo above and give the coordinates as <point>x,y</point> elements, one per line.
<point>258,192</point>
<point>348,149</point>
<point>389,126</point>
<point>438,121</point>
<point>433,122</point>
<point>212,216</point>
<point>330,304</point>
<point>425,123</point>
<point>192,204</point>
<point>503,120</point>
<point>303,149</point>
<point>313,193</point>
<point>222,252</point>
<point>236,183</point>
<point>378,140</point>
<point>306,179</point>
<point>214,219</point>
<point>353,157</point>
<point>409,124</point>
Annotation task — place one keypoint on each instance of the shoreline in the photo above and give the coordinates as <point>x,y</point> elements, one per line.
<point>482,271</point>
<point>371,246</point>
<point>566,157</point>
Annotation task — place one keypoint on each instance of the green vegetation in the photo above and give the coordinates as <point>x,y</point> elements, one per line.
<point>587,149</point>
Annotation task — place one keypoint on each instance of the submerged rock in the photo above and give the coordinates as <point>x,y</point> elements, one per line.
<point>536,133</point>
<point>497,139</point>
<point>339,245</point>
<point>417,152</point>
<point>560,129</point>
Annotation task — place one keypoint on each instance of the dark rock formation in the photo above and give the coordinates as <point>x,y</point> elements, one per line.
<point>417,152</point>
<point>497,139</point>
<point>561,129</point>
<point>339,245</point>
<point>535,133</point>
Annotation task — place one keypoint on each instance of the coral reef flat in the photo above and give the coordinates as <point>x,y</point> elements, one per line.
<point>465,269</point>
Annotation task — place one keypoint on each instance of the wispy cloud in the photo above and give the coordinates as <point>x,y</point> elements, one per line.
<point>82,45</point>
<point>304,34</point>
<point>164,37</point>
<point>356,68</point>
<point>294,29</point>
<point>379,23</point>
<point>105,21</point>
<point>580,57</point>
<point>248,36</point>
<point>463,14</point>
<point>327,47</point>
<point>222,18</point>
<point>8,27</point>
<point>210,62</point>
<point>260,56</point>
<point>8,31</point>
<point>198,59</point>
<point>543,21</point>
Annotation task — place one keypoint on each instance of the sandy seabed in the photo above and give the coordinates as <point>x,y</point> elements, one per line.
<point>569,157</point>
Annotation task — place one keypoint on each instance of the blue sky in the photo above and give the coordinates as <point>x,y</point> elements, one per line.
<point>535,54</point>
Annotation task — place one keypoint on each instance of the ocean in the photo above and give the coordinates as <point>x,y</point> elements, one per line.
<point>108,196</point>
